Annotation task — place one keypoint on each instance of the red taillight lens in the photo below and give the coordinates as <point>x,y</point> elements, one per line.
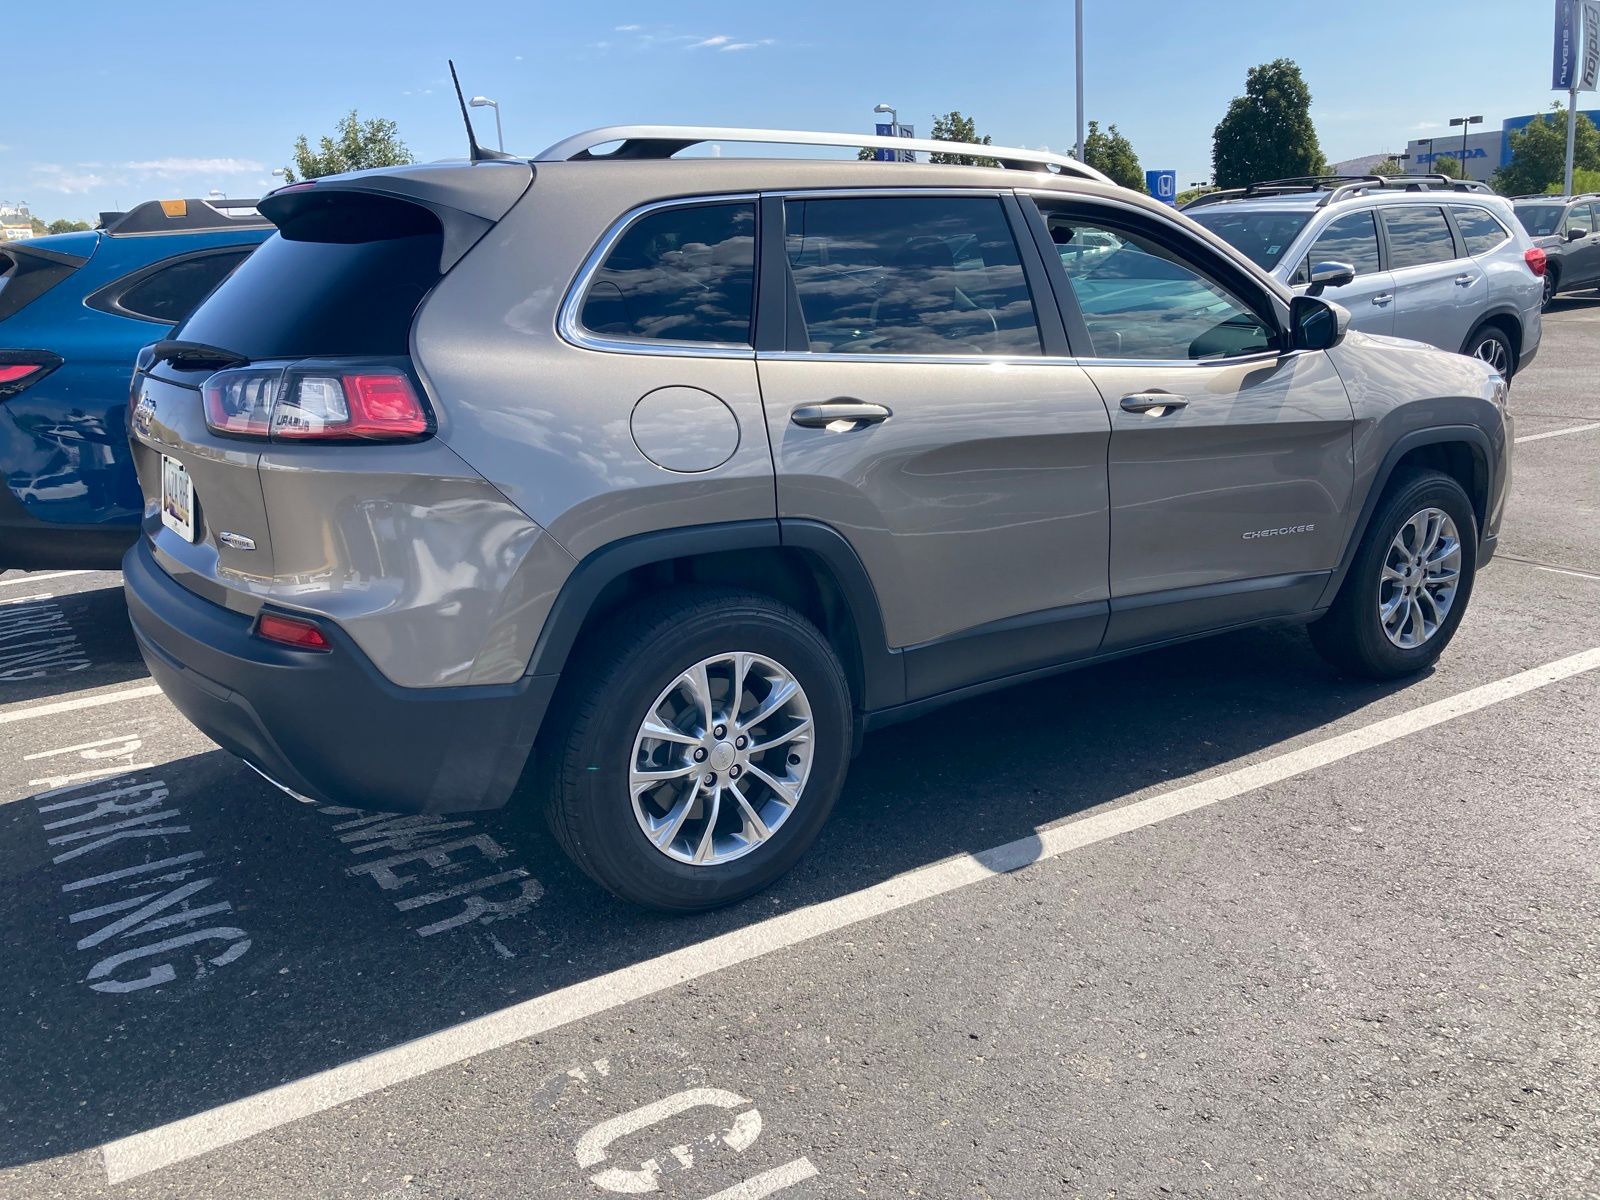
<point>291,631</point>
<point>373,403</point>
<point>1536,260</point>
<point>23,368</point>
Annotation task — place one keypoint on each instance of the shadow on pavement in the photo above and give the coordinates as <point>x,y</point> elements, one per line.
<point>304,950</point>
<point>65,643</point>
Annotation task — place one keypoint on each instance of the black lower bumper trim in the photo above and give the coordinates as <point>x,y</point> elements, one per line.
<point>329,726</point>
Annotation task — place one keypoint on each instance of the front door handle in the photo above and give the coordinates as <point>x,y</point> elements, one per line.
<point>840,415</point>
<point>1464,280</point>
<point>1383,298</point>
<point>1157,404</point>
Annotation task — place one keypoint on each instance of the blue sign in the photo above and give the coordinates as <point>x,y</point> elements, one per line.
<point>885,155</point>
<point>1564,65</point>
<point>1163,185</point>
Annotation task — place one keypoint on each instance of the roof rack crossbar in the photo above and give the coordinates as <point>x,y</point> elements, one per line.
<point>663,141</point>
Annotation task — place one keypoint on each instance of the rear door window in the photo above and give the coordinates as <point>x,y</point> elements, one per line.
<point>1418,236</point>
<point>683,274</point>
<point>909,275</point>
<point>1352,239</point>
<point>1479,229</point>
<point>171,293</point>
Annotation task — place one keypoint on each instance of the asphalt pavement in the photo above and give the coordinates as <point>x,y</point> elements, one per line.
<point>1212,921</point>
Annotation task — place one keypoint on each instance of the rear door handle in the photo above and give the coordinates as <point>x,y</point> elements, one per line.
<point>1464,280</point>
<point>840,415</point>
<point>1156,403</point>
<point>1383,298</point>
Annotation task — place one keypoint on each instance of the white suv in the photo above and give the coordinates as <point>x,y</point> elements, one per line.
<point>1423,257</point>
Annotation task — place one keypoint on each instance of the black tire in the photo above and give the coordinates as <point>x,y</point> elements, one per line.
<point>1485,334</point>
<point>583,756</point>
<point>1350,635</point>
<point>1552,281</point>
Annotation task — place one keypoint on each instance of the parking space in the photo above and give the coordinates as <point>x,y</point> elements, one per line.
<point>1210,921</point>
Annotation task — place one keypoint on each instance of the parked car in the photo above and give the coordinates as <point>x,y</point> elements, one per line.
<point>1432,259</point>
<point>74,310</point>
<point>648,485</point>
<point>1567,229</point>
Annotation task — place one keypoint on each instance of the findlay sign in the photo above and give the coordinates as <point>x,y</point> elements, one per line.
<point>1575,66</point>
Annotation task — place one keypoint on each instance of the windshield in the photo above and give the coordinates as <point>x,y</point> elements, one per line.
<point>1540,219</point>
<point>1262,236</point>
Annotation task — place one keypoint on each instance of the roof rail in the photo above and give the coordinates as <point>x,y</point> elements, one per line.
<point>663,141</point>
<point>181,216</point>
<point>1338,187</point>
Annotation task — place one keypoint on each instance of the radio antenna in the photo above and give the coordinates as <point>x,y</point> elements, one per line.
<point>475,152</point>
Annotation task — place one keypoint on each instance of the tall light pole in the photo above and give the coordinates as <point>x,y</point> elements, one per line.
<point>1464,122</point>
<point>485,102</point>
<point>894,125</point>
<point>1077,45</point>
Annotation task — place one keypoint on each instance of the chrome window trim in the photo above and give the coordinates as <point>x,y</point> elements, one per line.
<point>572,330</point>
<point>1012,360</point>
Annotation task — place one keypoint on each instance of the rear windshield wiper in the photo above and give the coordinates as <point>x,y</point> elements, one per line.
<point>196,355</point>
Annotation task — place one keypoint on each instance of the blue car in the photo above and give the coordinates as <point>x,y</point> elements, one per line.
<point>75,308</point>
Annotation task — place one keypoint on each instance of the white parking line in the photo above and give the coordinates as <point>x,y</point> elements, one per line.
<point>27,599</point>
<point>1564,571</point>
<point>38,577</point>
<point>190,1137</point>
<point>1539,437</point>
<point>26,712</point>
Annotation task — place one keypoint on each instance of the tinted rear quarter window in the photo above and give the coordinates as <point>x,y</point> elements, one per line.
<point>25,277</point>
<point>173,292</point>
<point>1417,236</point>
<point>909,275</point>
<point>1479,230</point>
<point>682,274</point>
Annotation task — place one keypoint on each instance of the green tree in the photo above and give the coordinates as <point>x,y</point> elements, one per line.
<point>953,127</point>
<point>66,226</point>
<point>1108,151</point>
<point>1389,166</point>
<point>39,227</point>
<point>1539,151</point>
<point>1189,194</point>
<point>1267,132</point>
<point>1582,181</point>
<point>355,146</point>
<point>1449,166</point>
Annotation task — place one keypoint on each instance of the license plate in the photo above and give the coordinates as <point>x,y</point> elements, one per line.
<point>177,498</point>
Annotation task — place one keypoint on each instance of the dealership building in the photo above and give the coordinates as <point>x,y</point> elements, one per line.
<point>1485,152</point>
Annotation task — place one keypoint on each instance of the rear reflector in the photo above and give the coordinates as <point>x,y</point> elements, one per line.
<point>1535,258</point>
<point>362,402</point>
<point>291,631</point>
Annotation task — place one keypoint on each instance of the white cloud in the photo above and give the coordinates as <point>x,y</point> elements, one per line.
<point>720,39</point>
<point>54,177</point>
<point>629,28</point>
<point>196,166</point>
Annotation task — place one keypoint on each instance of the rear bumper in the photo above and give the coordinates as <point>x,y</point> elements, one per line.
<point>30,544</point>
<point>329,726</point>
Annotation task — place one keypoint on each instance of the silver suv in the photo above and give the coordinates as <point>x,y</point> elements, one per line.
<point>647,485</point>
<point>1423,257</point>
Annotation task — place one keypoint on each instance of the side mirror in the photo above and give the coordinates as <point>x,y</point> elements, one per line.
<point>1316,324</point>
<point>1330,274</point>
<point>1574,232</point>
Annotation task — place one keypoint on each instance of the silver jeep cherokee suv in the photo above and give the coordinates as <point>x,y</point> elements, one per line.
<point>650,484</point>
<point>1424,257</point>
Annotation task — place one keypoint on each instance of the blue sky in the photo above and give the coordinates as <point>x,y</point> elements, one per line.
<point>124,107</point>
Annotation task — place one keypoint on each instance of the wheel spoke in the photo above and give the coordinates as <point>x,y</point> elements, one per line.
<point>1390,575</point>
<point>1418,628</point>
<point>667,832</point>
<point>785,791</point>
<point>741,666</point>
<point>761,831</point>
<point>780,695</point>
<point>700,689</point>
<point>648,779</point>
<point>708,838</point>
<point>665,733</point>
<point>782,738</point>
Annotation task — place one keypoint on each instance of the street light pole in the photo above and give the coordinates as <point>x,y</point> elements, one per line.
<point>1464,122</point>
<point>1077,45</point>
<point>894,125</point>
<point>485,102</point>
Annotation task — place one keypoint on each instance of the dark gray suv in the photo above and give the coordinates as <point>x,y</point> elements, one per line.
<point>646,485</point>
<point>1567,229</point>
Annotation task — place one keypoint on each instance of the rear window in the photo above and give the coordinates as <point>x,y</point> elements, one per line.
<point>25,277</point>
<point>1540,220</point>
<point>1262,237</point>
<point>342,277</point>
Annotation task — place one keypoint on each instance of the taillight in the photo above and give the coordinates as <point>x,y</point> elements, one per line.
<point>23,368</point>
<point>291,631</point>
<point>362,402</point>
<point>1536,260</point>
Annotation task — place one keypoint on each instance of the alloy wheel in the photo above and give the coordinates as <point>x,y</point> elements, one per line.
<point>721,758</point>
<point>1493,351</point>
<point>1549,290</point>
<point>1420,578</point>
